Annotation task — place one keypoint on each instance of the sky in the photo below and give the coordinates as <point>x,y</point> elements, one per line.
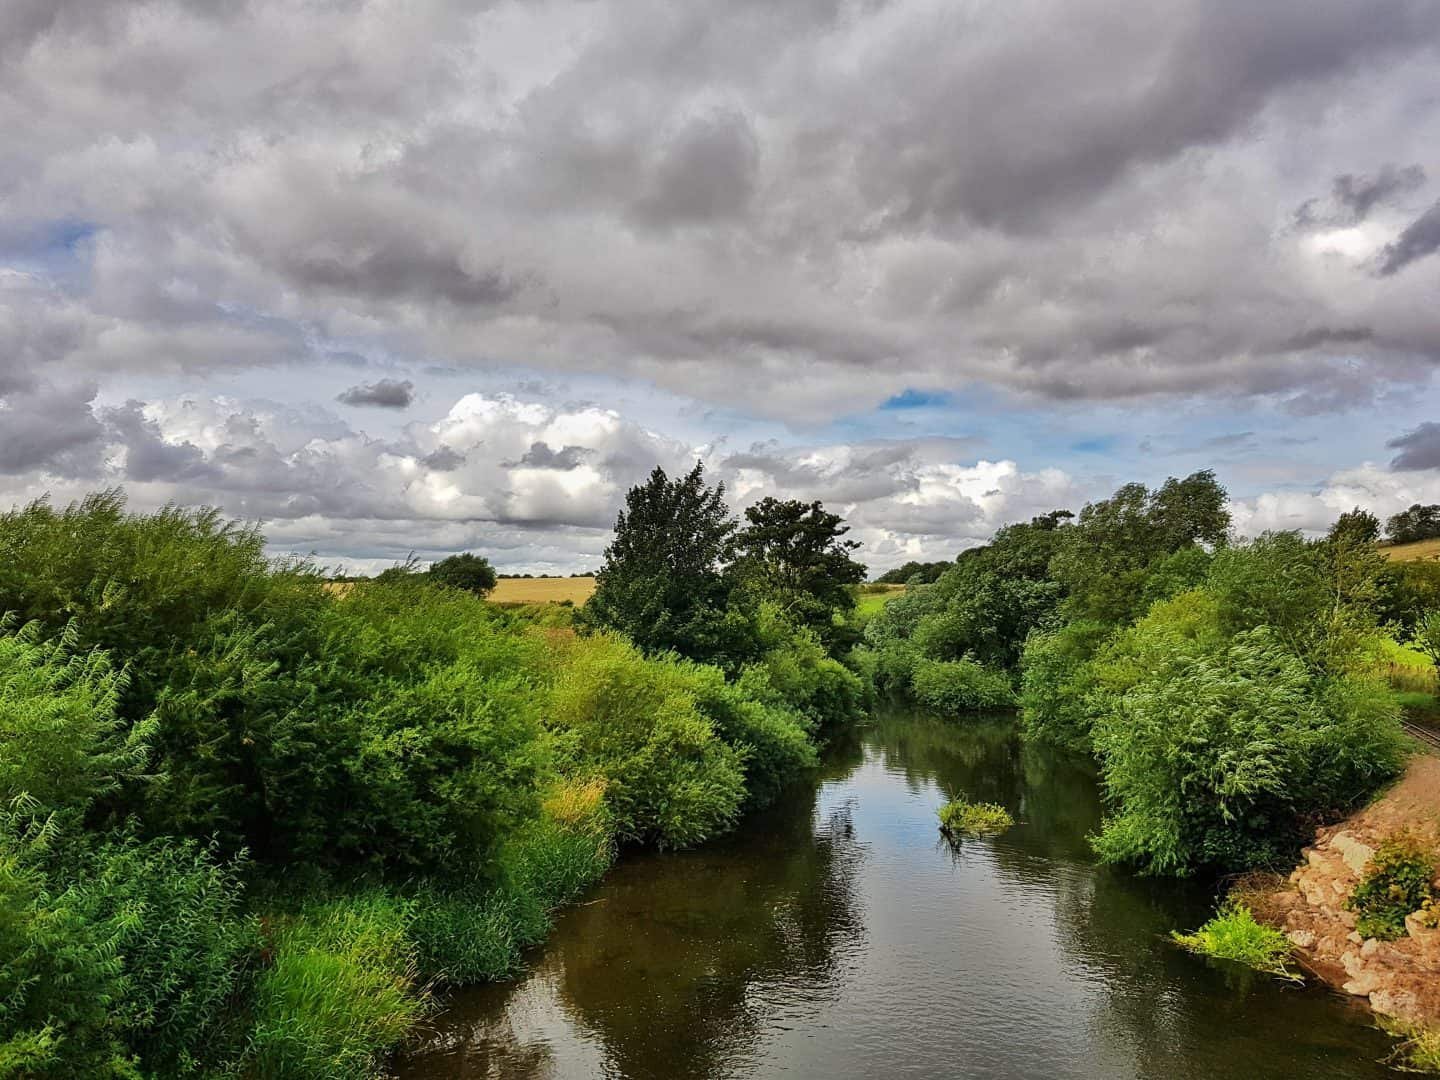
<point>434,276</point>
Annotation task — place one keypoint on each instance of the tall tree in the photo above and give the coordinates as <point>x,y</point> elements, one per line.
<point>796,554</point>
<point>662,584</point>
<point>1417,523</point>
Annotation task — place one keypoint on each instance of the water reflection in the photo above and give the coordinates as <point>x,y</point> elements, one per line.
<point>836,936</point>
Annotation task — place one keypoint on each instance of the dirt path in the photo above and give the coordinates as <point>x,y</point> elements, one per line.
<point>1399,978</point>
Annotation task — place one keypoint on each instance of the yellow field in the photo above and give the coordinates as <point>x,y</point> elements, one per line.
<point>1420,549</point>
<point>542,590</point>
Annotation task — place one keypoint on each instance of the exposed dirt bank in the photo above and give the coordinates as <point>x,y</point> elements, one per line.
<point>1398,978</point>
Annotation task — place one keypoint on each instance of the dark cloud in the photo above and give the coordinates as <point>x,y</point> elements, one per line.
<point>1352,196</point>
<point>384,394</point>
<point>148,455</point>
<point>443,460</point>
<point>1419,449</point>
<point>50,429</point>
<point>706,173</point>
<point>1420,238</point>
<point>542,456</point>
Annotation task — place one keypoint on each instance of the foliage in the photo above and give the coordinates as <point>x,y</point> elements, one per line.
<point>60,742</point>
<point>1427,635</point>
<point>965,818</point>
<point>1419,1048</point>
<point>1418,522</point>
<point>1214,750</point>
<point>467,571</point>
<point>1057,681</point>
<point>1233,934</point>
<point>794,554</point>
<point>133,954</point>
<point>1407,590</point>
<point>662,584</point>
<point>1115,544</point>
<point>960,686</point>
<point>636,723</point>
<point>342,992</point>
<point>1317,597</point>
<point>1357,526</point>
<point>915,573</point>
<point>1396,882</point>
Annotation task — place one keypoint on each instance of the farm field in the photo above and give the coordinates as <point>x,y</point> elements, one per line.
<point>868,602</point>
<point>542,590</point>
<point>1419,549</point>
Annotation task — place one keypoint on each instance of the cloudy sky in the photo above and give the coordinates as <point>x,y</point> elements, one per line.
<point>433,275</point>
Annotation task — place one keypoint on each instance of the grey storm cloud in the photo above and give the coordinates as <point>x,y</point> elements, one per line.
<point>443,459</point>
<point>1419,449</point>
<point>51,429</point>
<point>1066,200</point>
<point>1353,197</point>
<point>384,394</point>
<point>542,456</point>
<point>1420,238</point>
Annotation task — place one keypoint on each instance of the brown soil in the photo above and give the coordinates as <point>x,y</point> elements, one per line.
<point>1399,978</point>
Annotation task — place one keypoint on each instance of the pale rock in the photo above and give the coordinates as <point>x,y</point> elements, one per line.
<point>1363,984</point>
<point>1370,948</point>
<point>1356,855</point>
<point>1352,964</point>
<point>1402,1003</point>
<point>1302,939</point>
<point>1354,936</point>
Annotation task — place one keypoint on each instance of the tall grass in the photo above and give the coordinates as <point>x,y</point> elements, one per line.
<point>343,991</point>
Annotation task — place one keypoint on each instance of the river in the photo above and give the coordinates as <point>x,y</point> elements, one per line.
<point>837,935</point>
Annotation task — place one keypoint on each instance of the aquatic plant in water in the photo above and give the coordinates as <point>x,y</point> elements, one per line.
<point>963,818</point>
<point>1233,934</point>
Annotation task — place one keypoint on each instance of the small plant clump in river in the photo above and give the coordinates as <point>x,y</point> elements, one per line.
<point>963,818</point>
<point>1233,934</point>
<point>1396,883</point>
<point>1419,1049</point>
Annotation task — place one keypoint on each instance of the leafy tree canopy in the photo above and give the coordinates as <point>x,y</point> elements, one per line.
<point>473,573</point>
<point>1417,523</point>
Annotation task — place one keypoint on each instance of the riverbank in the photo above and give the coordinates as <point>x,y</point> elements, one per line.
<point>1401,978</point>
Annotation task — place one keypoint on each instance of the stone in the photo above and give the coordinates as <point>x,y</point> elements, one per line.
<point>1402,1003</point>
<point>1370,948</point>
<point>1301,939</point>
<point>1363,984</point>
<point>1352,964</point>
<point>1354,936</point>
<point>1356,855</point>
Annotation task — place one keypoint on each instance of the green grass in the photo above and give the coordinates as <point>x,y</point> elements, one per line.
<point>1233,934</point>
<point>342,994</point>
<point>964,818</point>
<point>868,603</point>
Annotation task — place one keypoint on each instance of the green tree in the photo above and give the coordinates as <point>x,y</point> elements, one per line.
<point>473,573</point>
<point>1417,523</point>
<point>662,584</point>
<point>1110,552</point>
<point>794,554</point>
<point>1357,526</point>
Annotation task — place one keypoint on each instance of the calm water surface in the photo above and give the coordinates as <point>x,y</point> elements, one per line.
<point>838,936</point>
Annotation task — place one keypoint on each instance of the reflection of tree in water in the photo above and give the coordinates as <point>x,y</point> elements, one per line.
<point>685,959</point>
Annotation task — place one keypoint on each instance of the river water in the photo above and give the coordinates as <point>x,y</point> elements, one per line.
<point>837,935</point>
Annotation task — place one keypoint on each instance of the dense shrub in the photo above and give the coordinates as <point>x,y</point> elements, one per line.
<point>1396,883</point>
<point>60,741</point>
<point>1217,756</point>
<point>1057,681</point>
<point>635,722</point>
<point>130,952</point>
<point>960,686</point>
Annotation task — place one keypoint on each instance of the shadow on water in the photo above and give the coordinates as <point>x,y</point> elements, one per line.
<point>836,935</point>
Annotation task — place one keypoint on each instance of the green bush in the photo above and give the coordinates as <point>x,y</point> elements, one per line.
<point>1233,934</point>
<point>636,722</point>
<point>341,994</point>
<point>1396,883</point>
<point>775,740</point>
<point>134,953</point>
<point>1056,683</point>
<point>960,686</point>
<point>1215,755</point>
<point>60,742</point>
